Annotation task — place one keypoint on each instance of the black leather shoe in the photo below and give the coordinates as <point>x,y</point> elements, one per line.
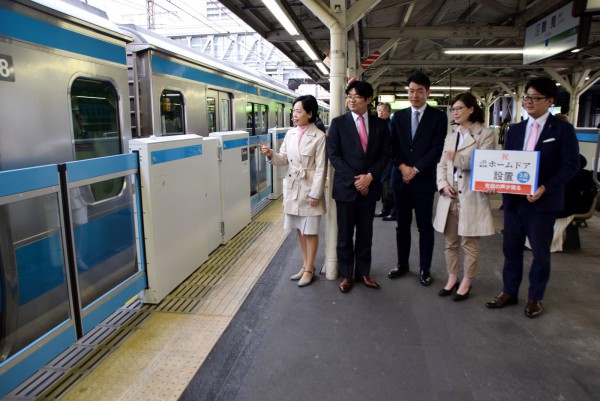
<point>461,297</point>
<point>389,218</point>
<point>425,278</point>
<point>533,308</point>
<point>501,300</point>
<point>444,292</point>
<point>398,271</point>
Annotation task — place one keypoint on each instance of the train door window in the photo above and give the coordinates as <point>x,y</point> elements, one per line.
<point>171,112</point>
<point>261,120</point>
<point>95,120</point>
<point>281,116</point>
<point>225,114</point>
<point>211,110</point>
<point>250,118</point>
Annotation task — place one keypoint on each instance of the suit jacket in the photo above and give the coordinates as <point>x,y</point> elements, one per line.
<point>422,152</point>
<point>559,160</point>
<point>307,164</point>
<point>349,160</point>
<point>475,214</point>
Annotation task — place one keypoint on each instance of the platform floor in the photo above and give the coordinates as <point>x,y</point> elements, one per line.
<point>254,335</point>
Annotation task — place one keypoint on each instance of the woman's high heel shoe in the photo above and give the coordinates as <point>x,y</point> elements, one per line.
<point>461,297</point>
<point>304,282</point>
<point>444,292</point>
<point>298,275</point>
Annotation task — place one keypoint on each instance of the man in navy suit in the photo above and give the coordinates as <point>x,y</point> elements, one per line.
<point>418,135</point>
<point>358,148</point>
<point>533,216</point>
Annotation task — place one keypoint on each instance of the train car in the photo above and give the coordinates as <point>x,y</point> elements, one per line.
<point>177,90</point>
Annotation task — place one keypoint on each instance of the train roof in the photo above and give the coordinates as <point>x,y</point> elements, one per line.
<point>80,12</point>
<point>157,41</point>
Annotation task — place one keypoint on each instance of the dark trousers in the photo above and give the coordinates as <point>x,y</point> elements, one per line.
<point>522,220</point>
<point>408,200</point>
<point>350,216</point>
<point>387,199</point>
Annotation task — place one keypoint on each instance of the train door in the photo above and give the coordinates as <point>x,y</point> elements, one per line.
<point>257,127</point>
<point>218,108</point>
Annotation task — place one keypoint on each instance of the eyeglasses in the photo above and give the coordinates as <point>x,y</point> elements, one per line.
<point>534,99</point>
<point>419,91</point>
<point>458,108</point>
<point>354,97</point>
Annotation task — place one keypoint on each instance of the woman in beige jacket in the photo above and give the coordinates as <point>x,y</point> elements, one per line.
<point>462,215</point>
<point>303,150</point>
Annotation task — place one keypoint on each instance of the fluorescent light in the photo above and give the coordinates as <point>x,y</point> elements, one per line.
<point>310,52</point>
<point>484,50</point>
<point>323,69</point>
<point>387,98</point>
<point>430,95</point>
<point>281,16</point>
<point>442,88</point>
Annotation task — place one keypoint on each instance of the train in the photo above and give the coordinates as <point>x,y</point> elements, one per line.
<point>76,88</point>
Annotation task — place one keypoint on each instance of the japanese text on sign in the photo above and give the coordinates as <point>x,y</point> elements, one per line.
<point>508,171</point>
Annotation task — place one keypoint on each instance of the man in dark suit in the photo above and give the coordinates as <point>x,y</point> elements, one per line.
<point>533,216</point>
<point>388,210</point>
<point>418,135</point>
<point>358,148</point>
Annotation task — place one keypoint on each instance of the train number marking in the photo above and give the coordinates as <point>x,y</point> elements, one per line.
<point>7,71</point>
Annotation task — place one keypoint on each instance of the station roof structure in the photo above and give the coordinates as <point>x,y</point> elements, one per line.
<point>403,36</point>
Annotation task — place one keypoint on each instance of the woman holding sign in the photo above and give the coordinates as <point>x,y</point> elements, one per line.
<point>462,215</point>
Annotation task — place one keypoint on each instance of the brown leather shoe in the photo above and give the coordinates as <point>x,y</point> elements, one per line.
<point>533,308</point>
<point>366,280</point>
<point>501,300</point>
<point>345,285</point>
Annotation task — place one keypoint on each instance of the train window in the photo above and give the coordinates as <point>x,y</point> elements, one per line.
<point>262,120</point>
<point>225,113</point>
<point>95,120</point>
<point>171,112</point>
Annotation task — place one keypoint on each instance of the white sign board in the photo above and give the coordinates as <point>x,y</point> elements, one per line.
<point>553,34</point>
<point>508,171</point>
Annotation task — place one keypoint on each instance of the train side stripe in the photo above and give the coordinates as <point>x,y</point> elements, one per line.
<point>29,29</point>
<point>169,67</point>
<point>164,66</point>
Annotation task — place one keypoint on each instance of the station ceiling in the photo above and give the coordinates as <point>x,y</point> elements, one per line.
<point>412,35</point>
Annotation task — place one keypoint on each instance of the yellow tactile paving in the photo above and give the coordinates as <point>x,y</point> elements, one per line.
<point>159,359</point>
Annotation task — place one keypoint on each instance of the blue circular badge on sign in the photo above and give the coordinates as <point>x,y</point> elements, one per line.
<point>523,177</point>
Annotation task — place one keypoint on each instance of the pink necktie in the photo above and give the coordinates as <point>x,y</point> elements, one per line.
<point>362,133</point>
<point>533,136</point>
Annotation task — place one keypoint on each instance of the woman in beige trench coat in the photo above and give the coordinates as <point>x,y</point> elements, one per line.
<point>303,150</point>
<point>462,215</point>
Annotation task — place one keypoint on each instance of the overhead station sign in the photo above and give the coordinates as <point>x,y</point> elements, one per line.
<point>553,34</point>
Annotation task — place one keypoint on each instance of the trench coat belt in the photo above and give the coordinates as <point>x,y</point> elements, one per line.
<point>299,173</point>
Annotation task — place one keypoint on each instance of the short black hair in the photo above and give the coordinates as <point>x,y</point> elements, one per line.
<point>310,105</point>
<point>420,79</point>
<point>470,101</point>
<point>361,88</point>
<point>544,86</point>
